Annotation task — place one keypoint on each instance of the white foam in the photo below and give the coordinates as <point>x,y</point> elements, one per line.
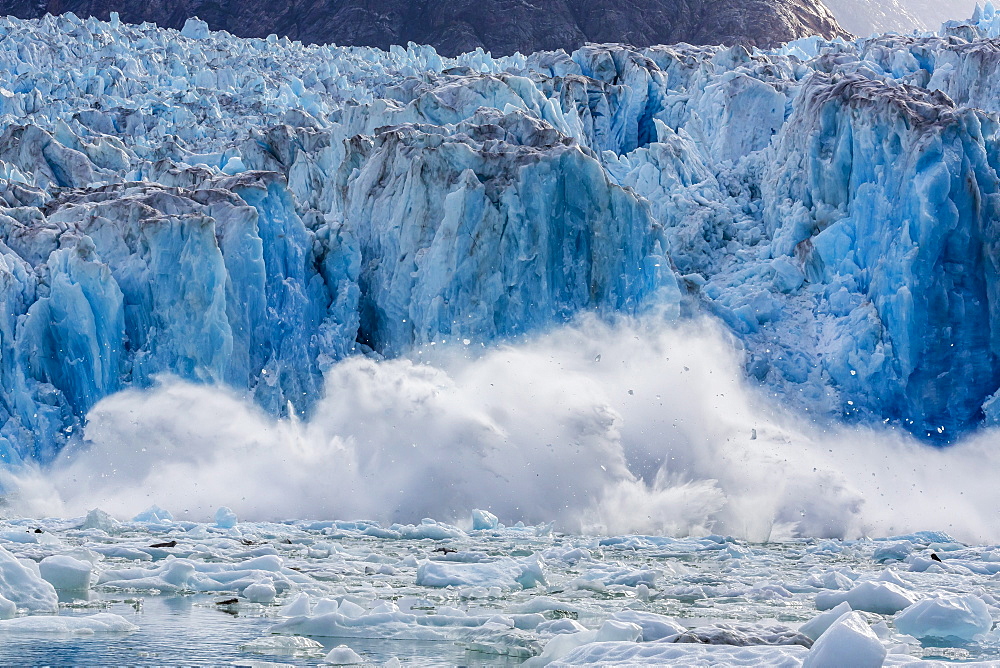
<point>636,427</point>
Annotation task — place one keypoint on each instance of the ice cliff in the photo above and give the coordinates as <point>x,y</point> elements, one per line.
<point>248,212</point>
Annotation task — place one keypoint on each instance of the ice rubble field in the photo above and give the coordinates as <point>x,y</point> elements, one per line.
<point>155,590</point>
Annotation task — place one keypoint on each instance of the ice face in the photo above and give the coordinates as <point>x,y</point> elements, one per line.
<point>903,201</point>
<point>250,212</point>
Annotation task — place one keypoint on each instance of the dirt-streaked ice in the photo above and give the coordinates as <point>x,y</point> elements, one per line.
<point>249,212</point>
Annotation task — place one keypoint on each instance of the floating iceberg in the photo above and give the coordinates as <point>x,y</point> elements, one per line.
<point>102,622</point>
<point>23,587</point>
<point>848,642</point>
<point>963,617</point>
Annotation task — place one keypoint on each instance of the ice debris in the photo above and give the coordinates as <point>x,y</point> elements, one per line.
<point>884,598</point>
<point>98,519</point>
<point>654,626</point>
<point>506,573</point>
<point>848,642</point>
<point>949,616</point>
<point>335,580</point>
<point>65,572</point>
<point>185,575</point>
<point>287,645</point>
<point>818,625</point>
<point>102,622</point>
<point>668,655</point>
<point>342,655</point>
<point>484,520</point>
<point>261,592</point>
<point>24,587</point>
<point>564,644</point>
<point>225,518</point>
<point>154,515</point>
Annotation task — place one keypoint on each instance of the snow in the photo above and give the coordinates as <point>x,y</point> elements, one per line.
<point>902,16</point>
<point>963,617</point>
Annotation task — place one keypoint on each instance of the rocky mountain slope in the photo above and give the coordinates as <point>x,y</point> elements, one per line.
<point>863,17</point>
<point>499,26</point>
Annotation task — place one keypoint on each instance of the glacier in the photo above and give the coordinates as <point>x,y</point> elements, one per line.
<point>250,212</point>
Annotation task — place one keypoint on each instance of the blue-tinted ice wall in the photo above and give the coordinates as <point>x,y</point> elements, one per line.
<point>247,212</point>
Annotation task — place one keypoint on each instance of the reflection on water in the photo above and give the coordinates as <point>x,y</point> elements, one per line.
<point>193,630</point>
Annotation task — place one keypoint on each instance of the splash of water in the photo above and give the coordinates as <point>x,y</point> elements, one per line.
<point>630,427</point>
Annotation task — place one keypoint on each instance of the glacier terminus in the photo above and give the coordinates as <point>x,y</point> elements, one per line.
<point>249,212</point>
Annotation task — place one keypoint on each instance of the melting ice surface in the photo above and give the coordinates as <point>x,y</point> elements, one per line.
<point>679,291</point>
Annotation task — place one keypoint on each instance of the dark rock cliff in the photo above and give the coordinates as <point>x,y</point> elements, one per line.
<point>500,26</point>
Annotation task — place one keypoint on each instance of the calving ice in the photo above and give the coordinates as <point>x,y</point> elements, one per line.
<point>306,238</point>
<point>291,226</point>
<point>669,342</point>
